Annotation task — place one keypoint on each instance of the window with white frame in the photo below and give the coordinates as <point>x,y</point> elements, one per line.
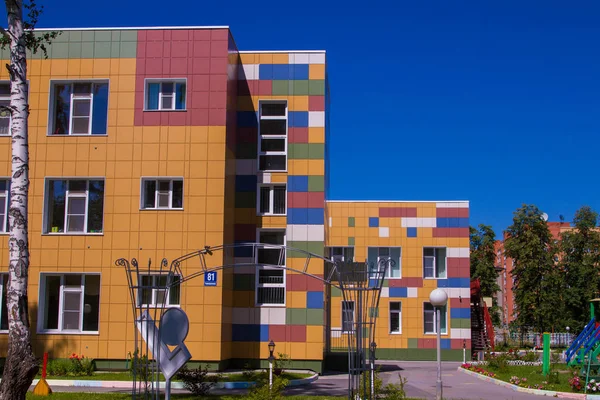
<point>154,291</point>
<point>3,308</point>
<point>343,254</point>
<point>4,113</point>
<point>74,206</point>
<point>434,262</point>
<point>429,319</point>
<point>395,317</point>
<point>4,204</point>
<point>69,303</point>
<point>160,193</point>
<point>380,257</point>
<point>347,316</point>
<point>79,108</point>
<point>165,95</point>
<point>272,199</point>
<point>272,133</point>
<point>270,280</point>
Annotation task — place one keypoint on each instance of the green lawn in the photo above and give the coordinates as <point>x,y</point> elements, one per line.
<point>125,376</point>
<point>534,376</point>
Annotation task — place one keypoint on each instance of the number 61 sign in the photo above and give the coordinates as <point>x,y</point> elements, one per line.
<point>210,278</point>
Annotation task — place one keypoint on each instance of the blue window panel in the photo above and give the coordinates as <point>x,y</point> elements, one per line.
<point>245,251</point>
<point>297,216</point>
<point>281,72</point>
<point>316,216</point>
<point>314,300</point>
<point>452,222</point>
<point>373,222</point>
<point>180,96</point>
<point>299,71</point>
<point>297,183</point>
<point>245,183</point>
<point>411,232</point>
<point>298,119</point>
<point>247,119</point>
<point>265,71</point>
<point>100,109</point>
<point>445,344</point>
<point>245,333</point>
<point>443,283</point>
<point>398,292</point>
<point>152,96</point>
<point>264,333</point>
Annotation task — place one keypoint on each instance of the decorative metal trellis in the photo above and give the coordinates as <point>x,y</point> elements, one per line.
<point>150,289</point>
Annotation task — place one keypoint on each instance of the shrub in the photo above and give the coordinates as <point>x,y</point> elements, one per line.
<point>262,391</point>
<point>58,367</point>
<point>575,383</point>
<point>197,381</point>
<point>554,377</point>
<point>395,391</point>
<point>141,366</point>
<point>531,356</point>
<point>80,365</point>
<point>498,362</point>
<point>281,362</point>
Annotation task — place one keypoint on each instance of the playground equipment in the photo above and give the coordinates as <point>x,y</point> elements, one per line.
<point>585,349</point>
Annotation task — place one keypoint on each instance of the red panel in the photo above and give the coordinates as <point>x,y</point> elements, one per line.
<point>154,49</point>
<point>314,285</point>
<point>200,83</point>
<point>180,34</point>
<point>198,100</point>
<point>141,51</point>
<point>218,65</point>
<point>178,67</point>
<point>456,303</point>
<point>179,49</point>
<point>166,53</point>
<point>397,283</point>
<point>219,34</point>
<point>297,199</point>
<point>216,117</point>
<point>296,333</point>
<point>452,212</point>
<point>151,118</point>
<point>154,35</point>
<point>218,83</point>
<point>316,103</point>
<point>385,212</point>
<point>154,66</point>
<point>202,34</point>
<point>265,88</point>
<point>453,262</point>
<point>277,333</point>
<point>298,135</point>
<point>218,48</point>
<point>413,282</point>
<point>166,62</point>
<point>199,117</point>
<point>389,212</point>
<point>178,119</point>
<point>316,199</point>
<point>202,49</point>
<point>218,100</point>
<point>457,344</point>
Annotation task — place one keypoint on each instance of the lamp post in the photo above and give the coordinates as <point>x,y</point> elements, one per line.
<point>373,347</point>
<point>438,299</point>
<point>271,360</point>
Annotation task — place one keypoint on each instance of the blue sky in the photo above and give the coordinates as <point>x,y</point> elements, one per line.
<point>493,102</point>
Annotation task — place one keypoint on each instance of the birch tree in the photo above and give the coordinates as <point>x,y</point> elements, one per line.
<point>21,365</point>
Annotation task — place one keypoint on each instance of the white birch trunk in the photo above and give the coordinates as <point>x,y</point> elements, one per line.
<point>21,366</point>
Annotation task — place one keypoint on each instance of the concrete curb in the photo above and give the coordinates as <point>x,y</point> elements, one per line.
<point>174,385</point>
<point>560,395</point>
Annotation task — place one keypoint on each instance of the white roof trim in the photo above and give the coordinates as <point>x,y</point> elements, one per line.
<point>129,28</point>
<point>396,201</point>
<point>282,51</point>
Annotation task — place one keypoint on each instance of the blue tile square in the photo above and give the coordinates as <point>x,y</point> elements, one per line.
<point>297,216</point>
<point>445,344</point>
<point>265,71</point>
<point>299,71</point>
<point>297,183</point>
<point>398,292</point>
<point>411,232</point>
<point>264,333</point>
<point>298,119</point>
<point>443,283</point>
<point>373,222</point>
<point>281,72</point>
<point>316,216</point>
<point>314,300</point>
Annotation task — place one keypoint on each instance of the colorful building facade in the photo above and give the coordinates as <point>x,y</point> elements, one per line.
<point>155,142</point>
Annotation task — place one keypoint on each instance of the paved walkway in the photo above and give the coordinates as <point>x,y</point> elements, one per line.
<point>421,384</point>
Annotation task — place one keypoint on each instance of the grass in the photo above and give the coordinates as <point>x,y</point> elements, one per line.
<point>123,396</point>
<point>125,376</point>
<point>534,376</point>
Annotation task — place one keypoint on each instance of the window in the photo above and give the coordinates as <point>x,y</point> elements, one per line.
<point>272,200</point>
<point>74,206</point>
<point>69,303</point>
<point>154,292</point>
<point>79,108</point>
<point>165,95</point>
<point>272,144</point>
<point>3,308</point>
<point>4,114</point>
<point>270,281</point>
<point>347,316</point>
<point>377,257</point>
<point>395,317</point>
<point>434,262</point>
<point>430,320</point>
<point>4,203</point>
<point>162,194</point>
<point>342,254</point>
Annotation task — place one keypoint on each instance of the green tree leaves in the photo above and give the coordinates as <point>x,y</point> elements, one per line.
<point>483,256</point>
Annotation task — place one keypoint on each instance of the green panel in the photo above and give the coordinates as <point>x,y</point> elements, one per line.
<point>245,200</point>
<point>351,222</point>
<point>314,316</point>
<point>295,316</point>
<point>316,151</point>
<point>87,36</point>
<point>316,183</point>
<point>74,36</point>
<point>243,281</point>
<point>316,87</point>
<point>300,88</point>
<point>102,36</point>
<point>312,247</point>
<point>460,323</point>
<point>413,354</point>
<point>87,50</point>
<point>128,50</point>
<point>129,36</point>
<point>298,151</point>
<point>212,366</point>
<point>115,36</point>
<point>413,343</point>
<point>101,50</point>
<point>115,49</point>
<point>75,50</point>
<point>335,292</point>
<point>245,151</point>
<point>60,50</point>
<point>281,88</point>
<point>350,241</point>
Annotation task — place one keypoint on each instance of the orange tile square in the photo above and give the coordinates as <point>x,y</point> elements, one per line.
<point>316,71</point>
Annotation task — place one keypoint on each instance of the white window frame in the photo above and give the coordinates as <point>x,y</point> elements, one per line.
<point>72,82</point>
<point>341,257</point>
<point>435,262</point>
<point>380,257</point>
<point>161,94</point>
<point>271,187</point>
<point>6,195</point>
<point>62,290</point>
<point>155,292</point>
<point>3,282</point>
<point>171,179</point>
<point>262,268</point>
<point>46,230</point>
<point>284,137</point>
<point>399,312</point>
<point>6,98</point>
<point>344,331</point>
<point>445,316</point>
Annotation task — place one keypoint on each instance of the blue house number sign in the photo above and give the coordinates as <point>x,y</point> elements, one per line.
<point>210,279</point>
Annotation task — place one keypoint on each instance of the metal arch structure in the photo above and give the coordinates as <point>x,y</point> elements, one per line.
<point>150,289</point>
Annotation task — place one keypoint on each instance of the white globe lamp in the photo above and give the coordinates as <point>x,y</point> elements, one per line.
<point>438,298</point>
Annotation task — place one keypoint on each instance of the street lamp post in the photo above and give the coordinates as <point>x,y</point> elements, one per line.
<point>373,347</point>
<point>271,360</point>
<point>438,299</point>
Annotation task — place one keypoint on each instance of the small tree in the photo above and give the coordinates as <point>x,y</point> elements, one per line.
<point>483,258</point>
<point>21,366</point>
